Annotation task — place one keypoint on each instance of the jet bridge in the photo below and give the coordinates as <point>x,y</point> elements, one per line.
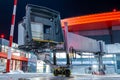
<point>41,33</point>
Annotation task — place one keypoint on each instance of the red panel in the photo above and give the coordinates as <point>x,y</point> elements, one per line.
<point>15,2</point>
<point>4,55</point>
<point>19,58</point>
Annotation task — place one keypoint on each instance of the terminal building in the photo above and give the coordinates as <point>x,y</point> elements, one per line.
<point>19,58</point>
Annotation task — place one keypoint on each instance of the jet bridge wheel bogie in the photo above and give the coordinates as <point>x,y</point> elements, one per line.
<point>67,73</point>
<point>62,71</point>
<point>55,72</point>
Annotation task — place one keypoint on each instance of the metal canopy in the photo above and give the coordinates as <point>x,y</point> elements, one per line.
<point>93,22</point>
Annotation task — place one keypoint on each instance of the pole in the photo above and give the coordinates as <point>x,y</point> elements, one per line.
<point>11,37</point>
<point>111,35</point>
<point>54,58</point>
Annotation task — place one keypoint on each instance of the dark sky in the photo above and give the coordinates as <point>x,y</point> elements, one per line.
<point>67,8</point>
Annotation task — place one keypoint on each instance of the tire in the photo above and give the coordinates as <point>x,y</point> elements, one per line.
<point>67,73</point>
<point>55,73</point>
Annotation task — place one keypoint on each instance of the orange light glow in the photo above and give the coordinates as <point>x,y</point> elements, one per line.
<point>90,19</point>
<point>114,10</point>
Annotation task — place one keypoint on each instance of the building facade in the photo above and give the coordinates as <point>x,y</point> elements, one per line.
<point>19,60</point>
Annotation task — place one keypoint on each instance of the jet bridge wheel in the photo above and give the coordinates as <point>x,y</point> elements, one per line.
<point>62,71</point>
<point>67,73</point>
<point>55,72</point>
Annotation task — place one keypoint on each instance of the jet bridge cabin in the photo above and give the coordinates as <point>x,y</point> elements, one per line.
<point>40,28</point>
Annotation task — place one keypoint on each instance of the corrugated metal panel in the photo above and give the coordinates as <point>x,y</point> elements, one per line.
<point>82,43</point>
<point>37,31</point>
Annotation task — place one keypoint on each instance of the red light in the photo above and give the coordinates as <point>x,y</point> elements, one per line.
<point>2,36</point>
<point>114,10</point>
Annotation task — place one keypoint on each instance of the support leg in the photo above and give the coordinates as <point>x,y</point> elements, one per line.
<point>101,69</point>
<point>54,57</point>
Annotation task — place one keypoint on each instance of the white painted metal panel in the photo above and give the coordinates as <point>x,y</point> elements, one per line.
<point>113,48</point>
<point>37,30</point>
<point>21,34</point>
<point>82,43</point>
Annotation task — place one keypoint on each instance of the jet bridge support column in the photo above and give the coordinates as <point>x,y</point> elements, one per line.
<point>66,42</point>
<point>54,57</point>
<point>99,55</point>
<point>100,63</point>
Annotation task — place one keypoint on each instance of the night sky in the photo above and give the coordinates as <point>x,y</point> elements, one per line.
<point>67,8</point>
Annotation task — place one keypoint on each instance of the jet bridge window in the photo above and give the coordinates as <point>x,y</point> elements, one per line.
<point>47,32</point>
<point>46,29</point>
